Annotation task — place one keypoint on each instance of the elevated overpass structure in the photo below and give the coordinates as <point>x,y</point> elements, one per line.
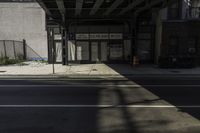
<point>92,31</point>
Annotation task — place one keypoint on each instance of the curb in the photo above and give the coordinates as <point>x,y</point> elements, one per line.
<point>94,77</point>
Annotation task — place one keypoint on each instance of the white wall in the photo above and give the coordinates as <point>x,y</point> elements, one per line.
<point>20,21</point>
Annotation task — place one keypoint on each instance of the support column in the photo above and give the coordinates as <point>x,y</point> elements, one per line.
<point>132,39</point>
<point>66,45</point>
<point>63,46</point>
<point>135,34</point>
<point>51,44</point>
<point>134,30</point>
<point>65,40</point>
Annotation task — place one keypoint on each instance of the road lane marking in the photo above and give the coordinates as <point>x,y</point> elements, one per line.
<point>73,85</point>
<point>99,85</point>
<point>65,79</point>
<point>98,106</point>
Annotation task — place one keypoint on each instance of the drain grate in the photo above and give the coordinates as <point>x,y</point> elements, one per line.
<point>2,71</point>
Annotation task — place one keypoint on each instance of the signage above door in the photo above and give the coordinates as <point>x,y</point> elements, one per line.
<point>99,36</point>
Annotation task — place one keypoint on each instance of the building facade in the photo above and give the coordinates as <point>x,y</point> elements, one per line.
<point>106,31</point>
<point>179,43</point>
<point>102,31</point>
<point>24,19</point>
<point>94,42</point>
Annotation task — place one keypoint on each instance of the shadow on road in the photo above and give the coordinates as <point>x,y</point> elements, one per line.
<point>181,95</point>
<point>61,120</point>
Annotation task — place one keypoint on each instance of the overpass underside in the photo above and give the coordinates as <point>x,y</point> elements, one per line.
<point>95,31</point>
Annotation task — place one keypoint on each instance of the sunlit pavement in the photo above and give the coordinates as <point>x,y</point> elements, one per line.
<point>137,105</point>
<point>38,68</point>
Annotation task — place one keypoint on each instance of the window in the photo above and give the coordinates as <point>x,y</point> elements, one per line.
<point>174,11</point>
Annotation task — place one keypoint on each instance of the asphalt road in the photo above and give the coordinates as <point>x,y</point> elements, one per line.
<point>129,105</point>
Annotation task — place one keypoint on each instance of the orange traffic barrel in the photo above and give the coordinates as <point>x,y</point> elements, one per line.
<point>135,61</point>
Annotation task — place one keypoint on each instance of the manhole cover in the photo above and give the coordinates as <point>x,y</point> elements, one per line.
<point>2,71</point>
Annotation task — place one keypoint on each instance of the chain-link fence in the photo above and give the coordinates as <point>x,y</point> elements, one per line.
<point>18,50</point>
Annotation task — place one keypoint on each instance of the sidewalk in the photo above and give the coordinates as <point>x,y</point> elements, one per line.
<point>37,68</point>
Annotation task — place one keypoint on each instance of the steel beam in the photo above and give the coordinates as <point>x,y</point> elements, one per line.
<point>96,7</point>
<point>149,5</point>
<point>131,6</point>
<point>61,6</point>
<point>113,6</point>
<point>79,6</point>
<point>41,3</point>
<point>153,3</point>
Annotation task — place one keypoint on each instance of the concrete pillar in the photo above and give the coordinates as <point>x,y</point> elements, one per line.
<point>135,34</point>
<point>65,38</point>
<point>131,31</point>
<point>158,36</point>
<point>134,31</point>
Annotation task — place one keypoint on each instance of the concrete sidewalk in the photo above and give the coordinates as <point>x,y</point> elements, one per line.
<point>38,68</point>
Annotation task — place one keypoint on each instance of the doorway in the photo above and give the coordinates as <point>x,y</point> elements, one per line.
<point>99,51</point>
<point>82,48</point>
<point>95,52</point>
<point>58,51</point>
<point>116,52</point>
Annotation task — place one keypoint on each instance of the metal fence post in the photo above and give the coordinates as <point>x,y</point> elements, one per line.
<point>24,49</point>
<point>14,49</point>
<point>4,44</point>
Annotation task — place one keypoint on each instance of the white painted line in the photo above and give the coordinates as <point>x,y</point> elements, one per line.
<point>65,79</point>
<point>97,106</point>
<point>73,85</point>
<point>99,85</point>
